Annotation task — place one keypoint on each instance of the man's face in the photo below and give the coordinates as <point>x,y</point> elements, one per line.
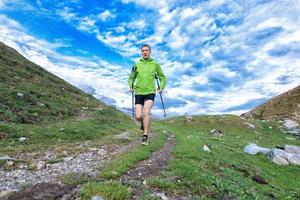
<point>146,52</point>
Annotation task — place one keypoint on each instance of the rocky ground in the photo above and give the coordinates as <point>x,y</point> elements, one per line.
<point>44,181</point>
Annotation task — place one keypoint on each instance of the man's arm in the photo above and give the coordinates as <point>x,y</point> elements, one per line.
<point>161,76</point>
<point>132,77</point>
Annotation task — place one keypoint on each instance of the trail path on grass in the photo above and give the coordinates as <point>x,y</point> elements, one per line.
<point>153,166</point>
<point>45,183</point>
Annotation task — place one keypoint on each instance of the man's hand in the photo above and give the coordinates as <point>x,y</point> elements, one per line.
<point>159,90</point>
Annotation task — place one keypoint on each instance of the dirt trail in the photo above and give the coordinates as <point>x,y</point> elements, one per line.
<point>153,166</point>
<point>45,184</point>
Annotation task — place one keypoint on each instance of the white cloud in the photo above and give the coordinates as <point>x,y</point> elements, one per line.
<point>15,5</point>
<point>67,14</point>
<point>81,72</point>
<point>139,24</point>
<point>2,4</point>
<point>205,41</point>
<point>105,15</point>
<point>87,24</point>
<point>153,4</point>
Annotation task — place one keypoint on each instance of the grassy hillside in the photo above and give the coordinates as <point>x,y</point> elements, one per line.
<point>46,110</point>
<point>226,172</point>
<point>30,94</point>
<point>286,105</point>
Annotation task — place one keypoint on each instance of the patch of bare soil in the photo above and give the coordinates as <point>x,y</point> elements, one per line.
<point>153,166</point>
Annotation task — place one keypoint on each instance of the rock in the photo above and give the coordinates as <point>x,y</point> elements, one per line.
<point>102,152</point>
<point>254,149</point>
<point>294,159</point>
<point>22,166</point>
<point>205,148</point>
<point>40,104</point>
<point>292,149</point>
<point>217,132</point>
<point>49,154</point>
<point>22,139</point>
<point>7,158</point>
<point>97,198</point>
<point>294,132</point>
<point>5,193</point>
<point>123,136</point>
<point>62,129</point>
<point>162,195</point>
<point>19,94</point>
<point>278,156</point>
<point>145,183</point>
<point>289,138</point>
<point>188,117</point>
<point>68,159</point>
<point>9,163</point>
<point>249,125</point>
<point>40,164</point>
<point>290,124</point>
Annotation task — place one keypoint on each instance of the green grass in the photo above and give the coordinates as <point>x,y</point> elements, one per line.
<point>108,190</point>
<point>124,162</point>
<point>217,174</point>
<point>101,123</point>
<point>76,178</point>
<point>164,184</point>
<point>44,98</point>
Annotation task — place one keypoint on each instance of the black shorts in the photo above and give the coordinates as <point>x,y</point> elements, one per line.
<point>140,99</point>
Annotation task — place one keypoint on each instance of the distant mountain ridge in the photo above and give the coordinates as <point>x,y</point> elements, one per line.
<point>286,105</point>
<point>30,94</point>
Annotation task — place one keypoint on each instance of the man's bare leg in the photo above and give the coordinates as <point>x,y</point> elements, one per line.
<point>147,116</point>
<point>139,112</point>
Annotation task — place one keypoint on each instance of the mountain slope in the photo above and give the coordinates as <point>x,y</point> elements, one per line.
<point>30,94</point>
<point>286,105</point>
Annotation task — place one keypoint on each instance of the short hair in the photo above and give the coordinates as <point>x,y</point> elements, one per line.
<point>146,45</point>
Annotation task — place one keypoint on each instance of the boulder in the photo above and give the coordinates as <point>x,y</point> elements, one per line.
<point>292,149</point>
<point>278,156</point>
<point>250,125</point>
<point>290,124</point>
<point>282,157</point>
<point>254,149</point>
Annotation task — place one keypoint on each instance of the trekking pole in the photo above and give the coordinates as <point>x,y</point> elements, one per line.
<point>162,102</point>
<point>132,99</point>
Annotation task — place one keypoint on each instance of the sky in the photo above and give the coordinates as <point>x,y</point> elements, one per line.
<point>219,56</point>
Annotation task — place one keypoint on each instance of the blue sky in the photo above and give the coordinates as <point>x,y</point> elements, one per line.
<point>219,56</point>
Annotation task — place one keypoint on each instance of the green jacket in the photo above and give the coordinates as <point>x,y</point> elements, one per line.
<point>144,72</point>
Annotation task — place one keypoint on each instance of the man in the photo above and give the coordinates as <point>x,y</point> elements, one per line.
<point>143,75</point>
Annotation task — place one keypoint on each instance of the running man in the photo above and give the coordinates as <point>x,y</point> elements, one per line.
<point>143,75</point>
